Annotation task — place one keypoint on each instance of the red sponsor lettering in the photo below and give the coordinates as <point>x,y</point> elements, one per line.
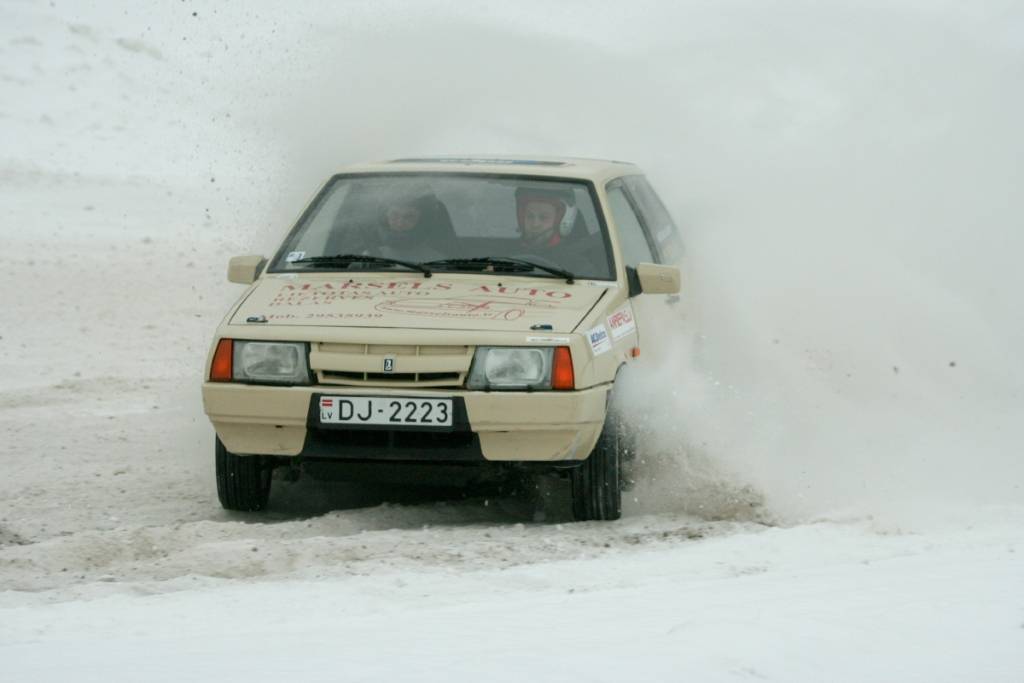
<point>524,291</point>
<point>619,319</point>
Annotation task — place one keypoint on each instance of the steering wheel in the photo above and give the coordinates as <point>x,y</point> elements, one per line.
<point>537,259</point>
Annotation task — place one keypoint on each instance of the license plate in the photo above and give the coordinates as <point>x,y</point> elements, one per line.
<point>393,411</point>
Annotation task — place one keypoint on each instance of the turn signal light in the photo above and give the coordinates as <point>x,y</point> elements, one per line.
<point>220,369</point>
<point>561,369</point>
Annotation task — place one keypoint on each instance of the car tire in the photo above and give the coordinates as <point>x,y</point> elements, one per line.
<point>597,482</point>
<point>243,481</point>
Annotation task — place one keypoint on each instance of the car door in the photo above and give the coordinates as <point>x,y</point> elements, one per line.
<point>636,247</point>
<point>655,218</point>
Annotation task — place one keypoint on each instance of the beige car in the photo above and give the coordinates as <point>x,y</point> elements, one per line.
<point>442,320</point>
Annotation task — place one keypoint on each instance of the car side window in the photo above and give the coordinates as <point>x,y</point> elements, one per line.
<point>635,247</point>
<point>655,218</point>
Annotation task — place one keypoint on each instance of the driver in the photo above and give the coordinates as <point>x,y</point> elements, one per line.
<point>543,216</point>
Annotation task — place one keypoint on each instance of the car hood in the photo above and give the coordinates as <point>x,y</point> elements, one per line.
<point>457,302</point>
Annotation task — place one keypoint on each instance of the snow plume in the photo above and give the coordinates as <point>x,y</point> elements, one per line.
<point>851,338</point>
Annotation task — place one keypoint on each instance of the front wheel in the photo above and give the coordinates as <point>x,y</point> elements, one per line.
<point>597,482</point>
<point>243,481</point>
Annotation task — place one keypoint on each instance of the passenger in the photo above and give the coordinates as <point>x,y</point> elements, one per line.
<point>400,221</point>
<point>412,225</point>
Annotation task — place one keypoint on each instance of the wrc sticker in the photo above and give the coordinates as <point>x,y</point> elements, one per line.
<point>621,323</point>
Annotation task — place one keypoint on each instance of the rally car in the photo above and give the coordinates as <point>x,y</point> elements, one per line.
<point>443,317</point>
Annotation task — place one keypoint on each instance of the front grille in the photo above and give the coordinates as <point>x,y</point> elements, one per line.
<point>340,377</point>
<point>414,366</point>
<point>439,376</point>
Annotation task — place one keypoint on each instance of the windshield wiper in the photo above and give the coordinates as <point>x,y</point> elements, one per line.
<point>508,263</point>
<point>348,259</point>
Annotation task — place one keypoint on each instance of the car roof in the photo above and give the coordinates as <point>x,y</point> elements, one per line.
<point>597,170</point>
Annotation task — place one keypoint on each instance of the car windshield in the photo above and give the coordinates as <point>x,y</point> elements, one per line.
<point>457,223</point>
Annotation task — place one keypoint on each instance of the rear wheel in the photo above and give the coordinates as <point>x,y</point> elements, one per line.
<point>243,481</point>
<point>597,483</point>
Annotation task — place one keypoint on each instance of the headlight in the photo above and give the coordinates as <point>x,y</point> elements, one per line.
<point>495,367</point>
<point>271,362</point>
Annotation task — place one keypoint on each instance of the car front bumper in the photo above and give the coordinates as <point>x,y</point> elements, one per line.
<point>497,426</point>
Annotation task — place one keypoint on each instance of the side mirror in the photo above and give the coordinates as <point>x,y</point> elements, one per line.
<point>657,279</point>
<point>245,269</point>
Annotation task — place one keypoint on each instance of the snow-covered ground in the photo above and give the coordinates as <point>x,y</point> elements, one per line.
<point>468,599</point>
<point>835,491</point>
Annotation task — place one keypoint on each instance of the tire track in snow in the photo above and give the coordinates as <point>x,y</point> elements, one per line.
<point>466,536</point>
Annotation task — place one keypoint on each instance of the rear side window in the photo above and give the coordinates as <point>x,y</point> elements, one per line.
<point>635,248</point>
<point>655,218</point>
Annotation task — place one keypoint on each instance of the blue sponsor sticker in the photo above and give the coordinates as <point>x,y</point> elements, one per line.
<point>599,341</point>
